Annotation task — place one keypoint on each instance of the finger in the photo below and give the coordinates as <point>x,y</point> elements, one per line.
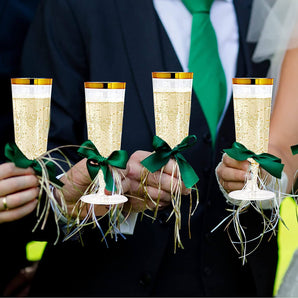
<point>10,170</point>
<point>16,200</point>
<point>77,175</point>
<point>166,182</point>
<point>185,191</point>
<point>226,173</point>
<point>157,182</point>
<point>156,194</point>
<point>136,189</point>
<point>125,185</point>
<point>18,213</point>
<point>18,183</point>
<point>123,172</point>
<point>135,169</point>
<point>233,163</point>
<point>159,179</point>
<point>137,172</point>
<point>159,195</point>
<point>171,168</point>
<point>231,185</point>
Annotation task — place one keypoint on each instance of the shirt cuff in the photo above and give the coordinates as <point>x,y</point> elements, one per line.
<point>127,227</point>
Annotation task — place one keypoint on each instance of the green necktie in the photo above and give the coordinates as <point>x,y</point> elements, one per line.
<point>209,81</point>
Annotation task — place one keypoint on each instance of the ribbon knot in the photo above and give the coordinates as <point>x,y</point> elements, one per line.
<point>198,6</point>
<point>163,153</point>
<point>100,160</point>
<point>269,162</point>
<point>96,162</point>
<point>14,154</point>
<point>34,163</point>
<point>174,151</point>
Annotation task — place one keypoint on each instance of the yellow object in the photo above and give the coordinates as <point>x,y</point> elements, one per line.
<point>287,239</point>
<point>34,250</point>
<point>172,75</point>
<point>252,81</point>
<point>31,81</point>
<point>105,85</point>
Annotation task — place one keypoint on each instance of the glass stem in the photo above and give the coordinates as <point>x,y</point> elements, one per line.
<point>252,182</point>
<point>101,182</point>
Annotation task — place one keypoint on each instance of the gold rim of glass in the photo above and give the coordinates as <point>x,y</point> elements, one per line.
<point>31,81</point>
<point>172,75</point>
<point>105,85</point>
<point>253,81</point>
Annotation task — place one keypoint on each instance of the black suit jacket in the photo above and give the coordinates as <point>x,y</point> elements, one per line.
<point>15,18</point>
<point>123,40</point>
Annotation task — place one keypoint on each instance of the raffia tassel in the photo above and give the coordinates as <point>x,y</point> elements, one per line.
<point>176,200</point>
<point>116,217</point>
<point>269,223</point>
<point>114,212</point>
<point>269,226</point>
<point>46,186</point>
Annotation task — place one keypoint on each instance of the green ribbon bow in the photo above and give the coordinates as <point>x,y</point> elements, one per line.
<point>294,149</point>
<point>14,154</point>
<point>269,162</point>
<point>163,153</point>
<point>96,162</point>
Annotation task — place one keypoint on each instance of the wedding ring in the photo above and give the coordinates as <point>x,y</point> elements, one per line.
<point>5,203</point>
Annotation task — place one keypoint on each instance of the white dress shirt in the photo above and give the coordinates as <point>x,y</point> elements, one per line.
<point>178,23</point>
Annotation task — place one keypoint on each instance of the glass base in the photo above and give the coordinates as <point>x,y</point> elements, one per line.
<point>102,199</point>
<point>252,195</point>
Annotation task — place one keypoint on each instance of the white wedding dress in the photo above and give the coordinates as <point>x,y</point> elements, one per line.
<point>274,26</point>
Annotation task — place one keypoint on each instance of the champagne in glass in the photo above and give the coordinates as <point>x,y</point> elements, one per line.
<point>31,114</point>
<point>252,109</point>
<point>172,101</point>
<point>104,115</point>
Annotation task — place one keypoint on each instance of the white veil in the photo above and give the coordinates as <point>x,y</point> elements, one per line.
<point>274,26</point>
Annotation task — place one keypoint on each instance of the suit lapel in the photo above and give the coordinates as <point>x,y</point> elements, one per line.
<point>140,35</point>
